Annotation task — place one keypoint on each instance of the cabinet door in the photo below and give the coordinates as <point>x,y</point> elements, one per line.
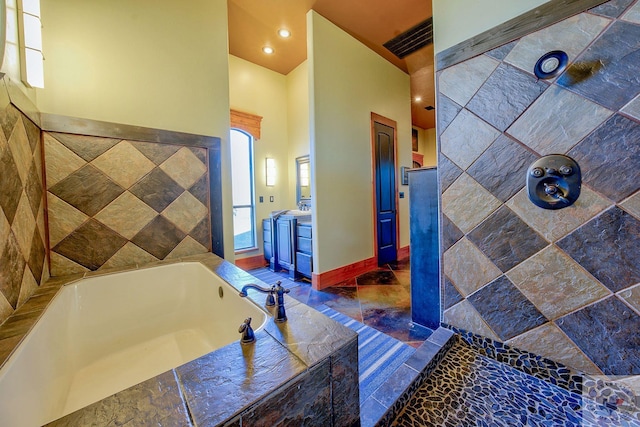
<point>285,249</point>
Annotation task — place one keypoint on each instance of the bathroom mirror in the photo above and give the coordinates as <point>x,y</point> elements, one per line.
<point>303,181</point>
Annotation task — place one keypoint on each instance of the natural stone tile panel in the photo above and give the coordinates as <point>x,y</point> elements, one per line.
<point>60,161</point>
<point>505,95</point>
<point>607,332</point>
<point>157,401</point>
<point>157,190</point>
<point>447,110</point>
<point>555,283</point>
<point>33,133</point>
<point>126,215</point>
<point>450,295</point>
<point>37,257</point>
<point>632,205</point>
<point>633,14</point>
<point>23,226</point>
<point>80,245</point>
<point>468,268</point>
<point>450,233</point>
<point>464,316</point>
<point>12,265</point>
<point>448,172</point>
<point>501,52</point>
<point>345,393</point>
<point>502,168</point>
<point>200,189</point>
<point>34,189</point>
<point>11,188</point>
<point>5,311</point>
<point>632,297</point>
<point>201,233</point>
<point>506,239</point>
<point>62,266</point>
<point>130,254</point>
<point>607,247</point>
<point>612,8</point>
<point>555,224</point>
<point>157,153</point>
<point>462,80</point>
<point>185,212</point>
<point>27,287</point>
<point>5,229</point>
<point>8,119</point>
<point>557,121</point>
<point>633,108</point>
<point>467,203</point>
<point>19,146</point>
<point>184,167</point>
<point>87,189</point>
<point>63,218</point>
<point>548,341</point>
<point>159,237</point>
<point>466,138</point>
<point>123,164</point>
<point>187,247</point>
<point>251,371</point>
<point>572,35</point>
<point>611,65</point>
<point>200,153</point>
<point>85,146</point>
<point>393,388</point>
<point>609,158</point>
<point>505,309</point>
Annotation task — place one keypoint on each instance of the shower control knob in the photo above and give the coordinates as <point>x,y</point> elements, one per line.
<point>537,172</point>
<point>551,189</point>
<point>566,170</point>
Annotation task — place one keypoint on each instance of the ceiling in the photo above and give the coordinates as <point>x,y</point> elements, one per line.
<point>254,24</point>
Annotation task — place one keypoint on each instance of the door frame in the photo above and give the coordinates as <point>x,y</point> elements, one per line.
<point>374,211</point>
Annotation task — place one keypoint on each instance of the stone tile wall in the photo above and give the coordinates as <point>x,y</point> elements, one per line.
<point>113,202</point>
<point>23,253</point>
<point>564,284</point>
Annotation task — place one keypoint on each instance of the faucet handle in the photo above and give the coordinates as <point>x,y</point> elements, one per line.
<point>245,329</point>
<point>271,300</point>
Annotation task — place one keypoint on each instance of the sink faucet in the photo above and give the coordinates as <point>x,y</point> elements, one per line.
<point>278,290</point>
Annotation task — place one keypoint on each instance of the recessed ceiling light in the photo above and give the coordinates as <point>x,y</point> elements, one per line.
<point>268,50</point>
<point>283,32</point>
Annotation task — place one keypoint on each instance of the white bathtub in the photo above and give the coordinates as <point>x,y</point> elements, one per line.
<point>104,334</point>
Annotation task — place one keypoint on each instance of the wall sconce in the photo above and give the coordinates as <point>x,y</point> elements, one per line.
<point>271,171</point>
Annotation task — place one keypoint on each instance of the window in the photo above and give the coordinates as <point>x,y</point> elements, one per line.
<point>31,59</point>
<point>244,222</point>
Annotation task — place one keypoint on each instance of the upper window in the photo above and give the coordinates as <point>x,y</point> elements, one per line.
<point>30,33</point>
<point>244,222</point>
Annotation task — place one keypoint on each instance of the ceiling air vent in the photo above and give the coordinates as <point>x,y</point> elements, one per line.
<point>412,39</point>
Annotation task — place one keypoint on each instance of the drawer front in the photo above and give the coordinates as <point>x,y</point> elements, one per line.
<point>304,245</point>
<point>267,251</point>
<point>304,264</point>
<point>304,231</point>
<point>266,236</point>
<point>266,224</point>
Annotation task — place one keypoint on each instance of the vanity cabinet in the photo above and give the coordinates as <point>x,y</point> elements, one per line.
<point>287,242</point>
<point>304,259</point>
<point>266,239</point>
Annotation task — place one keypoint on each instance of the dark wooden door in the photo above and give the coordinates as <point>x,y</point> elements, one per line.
<point>385,193</point>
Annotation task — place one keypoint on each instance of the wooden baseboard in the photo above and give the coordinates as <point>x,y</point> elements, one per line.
<point>404,252</point>
<point>333,277</point>
<point>252,262</point>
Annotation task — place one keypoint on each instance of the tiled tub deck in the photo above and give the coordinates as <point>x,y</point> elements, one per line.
<point>301,372</point>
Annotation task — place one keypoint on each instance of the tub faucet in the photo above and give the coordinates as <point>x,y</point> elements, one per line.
<point>278,290</point>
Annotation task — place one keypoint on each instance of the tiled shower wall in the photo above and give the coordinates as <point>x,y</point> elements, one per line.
<point>23,255</point>
<point>114,203</point>
<point>564,284</point>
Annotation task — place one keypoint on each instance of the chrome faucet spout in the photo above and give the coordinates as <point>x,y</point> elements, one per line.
<point>270,298</point>
<point>276,290</point>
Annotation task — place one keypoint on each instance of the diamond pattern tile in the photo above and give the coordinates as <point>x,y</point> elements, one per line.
<point>506,239</point>
<point>159,237</point>
<point>468,268</point>
<point>464,316</point>
<point>129,254</point>
<point>61,162</point>
<point>62,266</point>
<point>597,330</point>
<point>185,212</point>
<point>450,295</point>
<point>557,121</point>
<point>5,229</point>
<point>505,95</point>
<point>37,257</point>
<point>466,138</point>
<point>612,8</point>
<point>633,108</point>
<point>633,14</point>
<point>63,219</point>
<point>614,69</point>
<point>87,189</point>
<point>23,226</point>
<point>123,164</point>
<point>447,111</point>
<point>609,153</point>
<point>448,172</point>
<point>201,233</point>
<point>33,133</point>
<point>34,189</point>
<point>450,233</point>
<point>502,168</point>
<point>87,147</point>
<point>157,153</point>
<point>184,167</point>
<point>11,187</point>
<point>157,190</point>
<point>21,150</point>
<point>187,247</point>
<point>27,287</point>
<point>632,205</point>
<point>461,81</point>
<point>467,203</point>
<point>505,309</point>
<point>8,119</point>
<point>79,246</point>
<point>126,215</point>
<point>575,33</point>
<point>555,283</point>
<point>632,297</point>
<point>501,52</point>
<point>555,224</point>
<point>12,265</point>
<point>607,247</point>
<point>200,189</point>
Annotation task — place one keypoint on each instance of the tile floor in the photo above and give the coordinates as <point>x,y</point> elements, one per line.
<point>380,299</point>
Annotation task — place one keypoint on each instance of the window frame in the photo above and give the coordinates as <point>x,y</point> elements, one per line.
<point>252,206</point>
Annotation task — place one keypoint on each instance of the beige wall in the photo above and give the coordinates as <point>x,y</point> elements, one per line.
<point>257,90</point>
<point>298,114</point>
<point>427,146</point>
<point>348,82</point>
<point>457,20</point>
